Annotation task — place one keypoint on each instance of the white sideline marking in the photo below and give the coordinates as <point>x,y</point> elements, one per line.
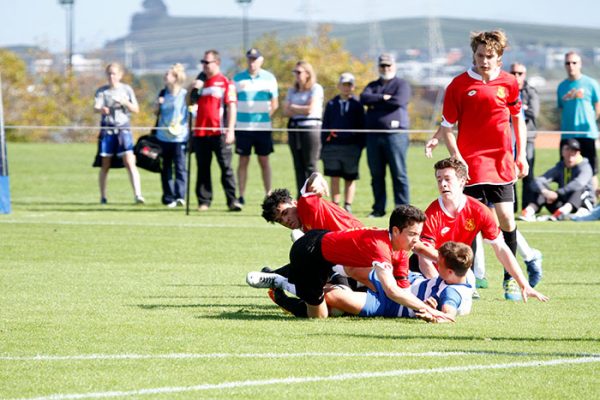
<point>292,380</point>
<point>155,224</point>
<point>570,229</point>
<point>41,357</point>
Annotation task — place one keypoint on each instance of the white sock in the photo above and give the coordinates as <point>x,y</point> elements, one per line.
<point>479,258</point>
<point>288,287</point>
<point>523,247</point>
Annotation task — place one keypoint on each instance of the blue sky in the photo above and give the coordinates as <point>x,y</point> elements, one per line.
<point>42,22</point>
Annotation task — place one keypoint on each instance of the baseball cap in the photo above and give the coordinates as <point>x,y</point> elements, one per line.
<point>387,59</point>
<point>253,53</point>
<point>573,144</point>
<point>347,77</point>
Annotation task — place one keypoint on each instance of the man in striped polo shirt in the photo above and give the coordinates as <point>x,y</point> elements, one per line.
<point>257,101</point>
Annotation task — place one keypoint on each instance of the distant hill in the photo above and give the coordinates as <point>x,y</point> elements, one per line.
<point>156,38</point>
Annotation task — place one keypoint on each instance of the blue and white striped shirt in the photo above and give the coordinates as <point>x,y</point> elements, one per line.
<point>254,99</point>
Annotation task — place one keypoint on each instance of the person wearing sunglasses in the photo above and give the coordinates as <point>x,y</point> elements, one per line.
<point>386,100</point>
<point>531,108</point>
<point>304,107</point>
<point>578,99</point>
<point>214,131</point>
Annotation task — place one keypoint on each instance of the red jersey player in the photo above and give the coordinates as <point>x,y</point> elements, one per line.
<point>457,217</point>
<point>313,255</point>
<point>482,101</point>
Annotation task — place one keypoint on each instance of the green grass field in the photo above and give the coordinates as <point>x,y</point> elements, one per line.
<point>130,301</point>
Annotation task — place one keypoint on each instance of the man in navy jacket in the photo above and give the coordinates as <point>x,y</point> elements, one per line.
<point>386,100</point>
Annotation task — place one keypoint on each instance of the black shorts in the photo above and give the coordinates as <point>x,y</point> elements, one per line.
<point>261,140</point>
<point>309,271</point>
<point>341,160</point>
<point>492,194</point>
<point>588,150</point>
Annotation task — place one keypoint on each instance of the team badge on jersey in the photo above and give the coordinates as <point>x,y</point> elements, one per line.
<point>470,225</point>
<point>501,92</point>
<point>472,92</point>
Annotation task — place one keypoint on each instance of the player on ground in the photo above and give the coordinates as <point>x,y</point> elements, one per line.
<point>482,101</point>
<point>457,217</point>
<point>313,256</point>
<point>449,292</point>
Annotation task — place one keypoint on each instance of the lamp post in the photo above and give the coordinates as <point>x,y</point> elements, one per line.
<point>245,5</point>
<point>69,7</point>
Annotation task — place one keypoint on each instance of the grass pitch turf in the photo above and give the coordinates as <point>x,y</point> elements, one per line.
<point>126,301</point>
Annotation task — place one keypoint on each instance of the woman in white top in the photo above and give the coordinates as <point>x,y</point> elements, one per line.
<point>304,106</point>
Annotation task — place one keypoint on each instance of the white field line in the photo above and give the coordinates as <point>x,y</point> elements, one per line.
<point>571,229</point>
<point>122,223</point>
<point>294,380</point>
<point>41,357</point>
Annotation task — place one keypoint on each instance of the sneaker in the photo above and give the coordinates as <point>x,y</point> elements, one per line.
<point>512,291</point>
<point>348,207</point>
<point>481,283</point>
<point>172,204</point>
<point>263,280</point>
<point>180,202</point>
<point>545,218</point>
<point>266,269</point>
<point>203,207</point>
<point>241,200</point>
<point>139,200</point>
<point>235,206</point>
<point>103,200</point>
<point>534,268</point>
<point>476,295</point>
<point>376,214</point>
<point>525,216</point>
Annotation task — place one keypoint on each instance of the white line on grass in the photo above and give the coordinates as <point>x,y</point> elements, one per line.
<point>155,224</point>
<point>41,357</point>
<point>293,380</point>
<point>568,229</point>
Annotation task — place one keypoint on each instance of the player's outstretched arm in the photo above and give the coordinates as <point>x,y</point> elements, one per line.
<point>404,297</point>
<point>509,262</point>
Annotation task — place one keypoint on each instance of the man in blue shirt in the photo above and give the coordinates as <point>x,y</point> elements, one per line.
<point>257,101</point>
<point>578,98</point>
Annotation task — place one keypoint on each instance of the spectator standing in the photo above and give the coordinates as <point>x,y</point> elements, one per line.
<point>214,131</point>
<point>578,99</point>
<point>386,100</point>
<point>342,149</point>
<point>304,107</point>
<point>531,108</point>
<point>257,101</point>
<point>115,102</point>
<point>573,174</point>
<point>172,134</point>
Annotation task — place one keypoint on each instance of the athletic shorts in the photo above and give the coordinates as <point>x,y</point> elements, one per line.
<point>588,150</point>
<point>261,140</point>
<point>341,160</point>
<point>115,142</point>
<point>492,194</point>
<point>309,271</point>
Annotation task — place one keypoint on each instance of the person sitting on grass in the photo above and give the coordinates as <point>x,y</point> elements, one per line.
<point>575,193</point>
<point>447,292</point>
